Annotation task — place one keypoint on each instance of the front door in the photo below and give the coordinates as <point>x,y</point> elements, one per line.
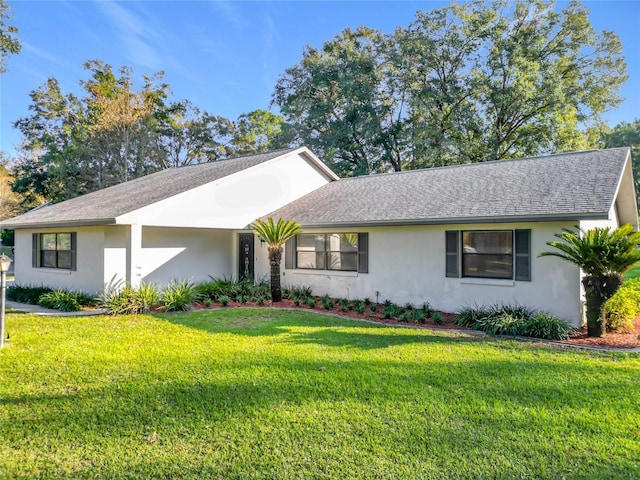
<point>245,264</point>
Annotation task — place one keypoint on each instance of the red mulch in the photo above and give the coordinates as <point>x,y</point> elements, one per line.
<point>628,338</point>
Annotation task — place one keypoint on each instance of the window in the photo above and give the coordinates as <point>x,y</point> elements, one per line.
<point>54,250</point>
<point>328,251</point>
<point>499,254</point>
<point>487,254</point>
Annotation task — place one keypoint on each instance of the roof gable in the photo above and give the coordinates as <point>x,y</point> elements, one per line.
<point>104,206</point>
<point>564,186</point>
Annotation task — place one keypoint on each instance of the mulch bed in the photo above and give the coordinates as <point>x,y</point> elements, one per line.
<point>628,338</point>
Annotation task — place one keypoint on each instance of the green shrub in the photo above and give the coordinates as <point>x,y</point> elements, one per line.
<point>373,308</point>
<point>390,311</point>
<point>543,325</point>
<point>437,318</point>
<point>427,309</point>
<point>301,292</point>
<point>224,300</point>
<point>502,323</point>
<point>63,300</point>
<point>624,306</point>
<point>359,308</point>
<point>418,316</point>
<point>469,317</point>
<point>504,319</point>
<point>310,301</point>
<point>327,303</point>
<point>178,296</point>
<point>129,300</point>
<point>26,293</point>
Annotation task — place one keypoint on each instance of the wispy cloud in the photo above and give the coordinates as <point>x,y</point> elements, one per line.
<point>230,13</point>
<point>270,38</point>
<point>138,38</point>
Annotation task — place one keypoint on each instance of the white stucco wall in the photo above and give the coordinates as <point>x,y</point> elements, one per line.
<point>89,260</point>
<point>407,264</point>
<point>184,253</point>
<point>237,200</point>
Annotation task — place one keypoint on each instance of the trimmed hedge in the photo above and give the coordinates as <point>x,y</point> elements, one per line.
<point>624,306</point>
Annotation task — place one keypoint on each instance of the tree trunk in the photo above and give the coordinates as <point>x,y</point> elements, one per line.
<point>275,257</point>
<point>598,289</point>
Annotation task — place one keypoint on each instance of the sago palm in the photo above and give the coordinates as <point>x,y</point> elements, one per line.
<point>603,255</point>
<point>275,234</point>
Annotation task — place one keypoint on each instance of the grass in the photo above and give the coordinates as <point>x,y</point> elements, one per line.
<point>633,273</point>
<point>247,393</point>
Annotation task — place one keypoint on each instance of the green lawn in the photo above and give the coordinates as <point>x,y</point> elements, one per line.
<point>247,393</point>
<point>633,273</point>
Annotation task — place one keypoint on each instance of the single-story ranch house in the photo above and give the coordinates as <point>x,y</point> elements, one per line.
<point>453,236</point>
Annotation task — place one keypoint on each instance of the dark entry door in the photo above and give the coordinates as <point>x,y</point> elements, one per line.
<point>245,264</point>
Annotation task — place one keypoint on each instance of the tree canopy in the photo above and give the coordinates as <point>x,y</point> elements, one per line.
<point>9,43</point>
<point>116,132</point>
<point>466,83</point>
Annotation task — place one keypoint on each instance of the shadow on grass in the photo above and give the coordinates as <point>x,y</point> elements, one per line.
<point>303,327</point>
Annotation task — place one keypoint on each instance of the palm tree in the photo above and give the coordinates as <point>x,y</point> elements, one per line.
<point>603,255</point>
<point>275,235</point>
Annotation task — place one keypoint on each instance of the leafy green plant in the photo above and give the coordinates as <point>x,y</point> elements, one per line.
<point>390,311</point>
<point>469,317</point>
<point>63,300</point>
<point>427,309</point>
<point>224,300</point>
<point>26,293</point>
<point>550,327</point>
<point>127,300</point>
<point>260,300</point>
<point>360,308</point>
<point>207,302</point>
<point>275,234</point>
<point>178,296</point>
<point>327,303</point>
<point>373,308</point>
<point>603,255</point>
<point>624,306</point>
<point>505,319</point>
<point>437,318</point>
<point>310,301</point>
<point>417,315</point>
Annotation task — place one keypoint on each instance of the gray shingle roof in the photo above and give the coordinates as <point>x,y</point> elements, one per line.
<point>105,205</point>
<point>564,186</point>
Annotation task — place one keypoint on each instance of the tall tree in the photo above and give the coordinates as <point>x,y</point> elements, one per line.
<point>9,44</point>
<point>9,201</point>
<point>544,73</point>
<point>74,145</point>
<point>626,134</point>
<point>342,103</point>
<point>473,82</point>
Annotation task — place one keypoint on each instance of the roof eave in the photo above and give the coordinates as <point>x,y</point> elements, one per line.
<point>62,223</point>
<point>573,217</point>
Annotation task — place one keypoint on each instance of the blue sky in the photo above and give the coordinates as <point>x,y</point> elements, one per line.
<point>223,56</point>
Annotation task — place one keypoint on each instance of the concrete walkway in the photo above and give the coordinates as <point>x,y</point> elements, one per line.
<point>47,312</point>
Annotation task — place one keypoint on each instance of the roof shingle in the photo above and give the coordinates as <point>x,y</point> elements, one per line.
<point>109,203</point>
<point>571,185</point>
